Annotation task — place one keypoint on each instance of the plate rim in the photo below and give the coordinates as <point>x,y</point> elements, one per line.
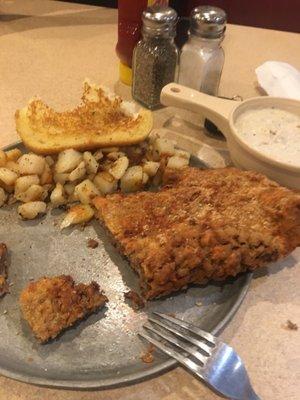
<point>130,378</point>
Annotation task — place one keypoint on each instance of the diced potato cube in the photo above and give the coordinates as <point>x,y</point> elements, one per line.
<point>77,215</point>
<point>98,155</point>
<point>132,180</point>
<point>73,198</point>
<point>13,155</point>
<point>151,167</point>
<point>47,176</point>
<point>177,162</point>
<point>60,178</point>
<point>91,163</point>
<point>145,178</point>
<point>86,191</point>
<point>13,166</point>
<point>46,189</point>
<point>2,158</point>
<point>49,161</point>
<point>114,155</point>
<point>69,188</point>
<point>119,167</point>
<point>78,173</point>
<point>3,197</point>
<point>57,197</point>
<point>32,209</point>
<point>91,177</point>
<point>183,154</point>
<point>7,188</point>
<point>105,182</point>
<point>7,176</point>
<point>31,164</point>
<point>67,161</point>
<point>33,193</point>
<point>164,147</point>
<point>24,182</point>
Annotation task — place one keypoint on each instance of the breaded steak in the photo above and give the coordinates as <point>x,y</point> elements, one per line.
<point>50,305</point>
<point>202,225</point>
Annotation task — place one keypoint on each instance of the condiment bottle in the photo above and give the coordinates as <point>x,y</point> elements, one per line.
<point>129,32</point>
<point>202,57</point>
<point>155,57</point>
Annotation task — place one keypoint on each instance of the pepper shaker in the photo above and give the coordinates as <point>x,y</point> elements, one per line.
<point>155,57</point>
<point>202,57</point>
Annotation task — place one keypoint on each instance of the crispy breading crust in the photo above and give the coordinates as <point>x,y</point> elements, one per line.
<point>50,305</point>
<point>203,225</point>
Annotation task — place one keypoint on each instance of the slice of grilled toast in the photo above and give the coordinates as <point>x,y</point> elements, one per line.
<point>102,120</point>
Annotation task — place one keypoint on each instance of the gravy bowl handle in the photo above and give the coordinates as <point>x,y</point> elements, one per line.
<point>213,108</point>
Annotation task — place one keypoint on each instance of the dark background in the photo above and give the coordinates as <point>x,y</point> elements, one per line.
<point>273,14</point>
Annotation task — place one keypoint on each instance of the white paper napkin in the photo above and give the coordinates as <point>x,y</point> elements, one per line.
<point>279,79</point>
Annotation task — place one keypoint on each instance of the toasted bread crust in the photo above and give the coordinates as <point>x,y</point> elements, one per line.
<point>98,122</point>
<point>51,305</point>
<point>203,225</point>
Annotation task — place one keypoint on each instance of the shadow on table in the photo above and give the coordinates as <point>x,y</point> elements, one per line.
<point>19,22</point>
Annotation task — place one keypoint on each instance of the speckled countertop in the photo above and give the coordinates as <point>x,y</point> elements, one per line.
<point>47,48</point>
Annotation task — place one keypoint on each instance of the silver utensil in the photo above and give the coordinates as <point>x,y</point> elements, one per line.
<point>204,354</point>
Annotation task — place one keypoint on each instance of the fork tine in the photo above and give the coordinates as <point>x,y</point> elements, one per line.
<point>197,369</point>
<point>203,334</point>
<point>194,341</point>
<point>179,344</point>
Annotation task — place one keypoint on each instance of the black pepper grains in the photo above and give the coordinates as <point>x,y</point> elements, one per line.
<point>155,57</point>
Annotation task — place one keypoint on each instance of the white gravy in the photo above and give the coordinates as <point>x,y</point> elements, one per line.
<point>273,132</point>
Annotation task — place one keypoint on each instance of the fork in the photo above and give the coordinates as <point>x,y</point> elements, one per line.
<point>205,355</point>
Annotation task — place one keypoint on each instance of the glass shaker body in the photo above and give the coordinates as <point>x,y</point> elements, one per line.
<point>155,61</point>
<point>201,64</point>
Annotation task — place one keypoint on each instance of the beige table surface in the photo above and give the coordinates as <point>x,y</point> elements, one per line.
<point>47,48</point>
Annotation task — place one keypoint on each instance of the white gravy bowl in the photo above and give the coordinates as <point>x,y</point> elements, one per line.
<point>224,113</point>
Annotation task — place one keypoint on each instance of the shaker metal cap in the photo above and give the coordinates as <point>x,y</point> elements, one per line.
<point>159,20</point>
<point>208,21</point>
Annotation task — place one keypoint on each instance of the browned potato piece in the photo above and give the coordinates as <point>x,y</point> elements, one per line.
<point>86,191</point>
<point>33,193</point>
<point>105,182</point>
<point>24,182</point>
<point>32,209</point>
<point>77,215</point>
<point>3,197</point>
<point>57,197</point>
<point>3,158</point>
<point>67,161</point>
<point>13,155</point>
<point>7,176</point>
<point>132,180</point>
<point>47,176</point>
<point>31,164</point>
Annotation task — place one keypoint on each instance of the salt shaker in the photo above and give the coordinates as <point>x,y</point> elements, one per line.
<point>155,57</point>
<point>202,57</point>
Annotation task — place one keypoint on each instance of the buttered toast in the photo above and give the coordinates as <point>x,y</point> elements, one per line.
<point>102,120</point>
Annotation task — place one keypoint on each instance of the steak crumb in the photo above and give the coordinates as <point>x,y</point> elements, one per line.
<point>137,301</point>
<point>92,243</point>
<point>148,357</point>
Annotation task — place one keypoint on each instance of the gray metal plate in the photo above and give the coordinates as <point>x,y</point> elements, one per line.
<point>103,350</point>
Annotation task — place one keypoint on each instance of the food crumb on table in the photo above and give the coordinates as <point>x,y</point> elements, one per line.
<point>291,326</point>
<point>148,357</point>
<point>92,243</point>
